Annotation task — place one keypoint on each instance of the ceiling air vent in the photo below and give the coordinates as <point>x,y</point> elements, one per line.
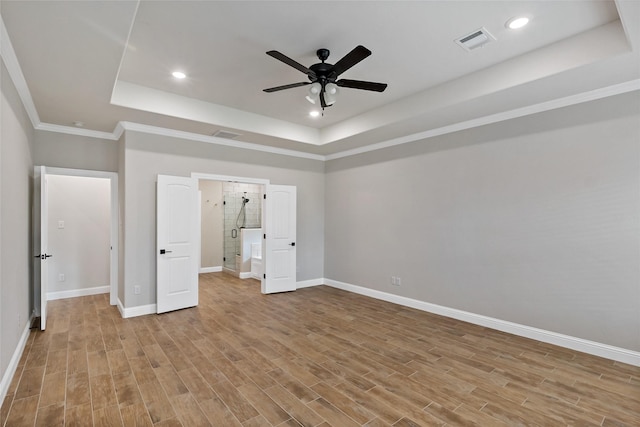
<point>226,134</point>
<point>475,39</point>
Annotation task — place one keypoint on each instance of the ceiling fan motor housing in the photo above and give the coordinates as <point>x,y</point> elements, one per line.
<point>323,72</point>
<point>323,54</point>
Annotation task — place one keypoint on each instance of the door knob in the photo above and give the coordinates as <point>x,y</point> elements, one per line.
<point>163,251</point>
<point>292,244</point>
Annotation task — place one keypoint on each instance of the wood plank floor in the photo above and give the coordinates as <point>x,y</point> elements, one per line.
<point>315,357</point>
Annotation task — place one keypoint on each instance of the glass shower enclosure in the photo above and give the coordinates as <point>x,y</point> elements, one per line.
<point>242,209</point>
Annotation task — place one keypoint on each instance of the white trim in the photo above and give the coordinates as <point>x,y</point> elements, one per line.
<point>210,269</point>
<point>155,130</point>
<point>74,293</point>
<point>140,310</point>
<point>591,347</point>
<point>229,178</point>
<point>80,172</point>
<point>118,131</point>
<point>309,283</point>
<point>245,275</point>
<point>567,101</point>
<point>13,363</point>
<point>48,127</point>
<point>126,48</point>
<point>15,72</point>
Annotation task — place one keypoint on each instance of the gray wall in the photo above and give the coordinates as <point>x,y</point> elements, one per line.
<point>82,245</point>
<point>146,156</point>
<point>211,223</point>
<point>534,220</point>
<point>75,152</point>
<point>16,187</point>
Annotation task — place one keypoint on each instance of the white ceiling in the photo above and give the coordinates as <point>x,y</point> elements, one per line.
<point>105,62</point>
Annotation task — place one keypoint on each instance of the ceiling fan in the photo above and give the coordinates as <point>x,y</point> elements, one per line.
<point>323,76</point>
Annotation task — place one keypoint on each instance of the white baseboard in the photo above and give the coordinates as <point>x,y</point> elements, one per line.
<point>140,310</point>
<point>73,293</point>
<point>246,275</point>
<point>591,347</point>
<point>13,363</point>
<point>210,269</point>
<point>308,283</point>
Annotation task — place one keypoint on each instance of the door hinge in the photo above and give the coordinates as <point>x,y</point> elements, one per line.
<point>264,275</point>
<point>224,258</point>
<point>265,196</point>
<point>224,203</point>
<point>264,236</point>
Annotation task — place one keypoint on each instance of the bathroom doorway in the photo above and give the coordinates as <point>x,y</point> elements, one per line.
<point>278,245</point>
<point>231,225</point>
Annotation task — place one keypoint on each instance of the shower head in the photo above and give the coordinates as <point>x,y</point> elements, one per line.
<point>245,200</point>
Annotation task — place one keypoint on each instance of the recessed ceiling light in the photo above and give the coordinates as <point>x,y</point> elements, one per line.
<point>314,113</point>
<point>517,22</point>
<point>178,74</point>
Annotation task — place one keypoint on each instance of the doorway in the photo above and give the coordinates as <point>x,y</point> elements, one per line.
<point>75,216</point>
<point>276,240</point>
<point>231,227</point>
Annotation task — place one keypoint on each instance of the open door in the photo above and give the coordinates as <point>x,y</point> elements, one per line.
<point>279,255</point>
<point>40,245</point>
<point>177,243</point>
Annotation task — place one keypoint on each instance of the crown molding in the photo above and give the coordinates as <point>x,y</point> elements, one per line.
<point>15,72</point>
<point>617,89</point>
<point>155,130</point>
<point>70,130</point>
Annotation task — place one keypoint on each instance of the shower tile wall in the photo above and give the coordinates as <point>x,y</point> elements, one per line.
<point>233,193</point>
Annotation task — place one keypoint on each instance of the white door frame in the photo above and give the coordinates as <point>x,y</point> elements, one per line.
<point>115,213</point>
<point>228,178</point>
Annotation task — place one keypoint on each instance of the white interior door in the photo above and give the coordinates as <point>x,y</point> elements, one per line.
<point>177,243</point>
<point>40,245</point>
<point>279,255</point>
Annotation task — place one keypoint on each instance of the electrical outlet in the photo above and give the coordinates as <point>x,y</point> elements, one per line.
<point>398,281</point>
<point>61,277</point>
<point>136,290</point>
<point>395,281</point>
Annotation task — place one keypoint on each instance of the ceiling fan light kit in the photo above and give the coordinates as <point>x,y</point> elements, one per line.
<point>323,76</point>
<point>314,92</point>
